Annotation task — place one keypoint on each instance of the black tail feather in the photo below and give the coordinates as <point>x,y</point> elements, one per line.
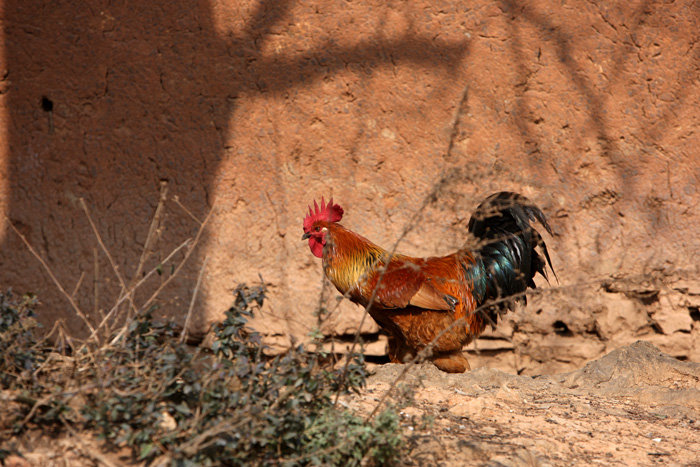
<point>506,257</point>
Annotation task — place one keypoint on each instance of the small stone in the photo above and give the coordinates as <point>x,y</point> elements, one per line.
<point>167,422</point>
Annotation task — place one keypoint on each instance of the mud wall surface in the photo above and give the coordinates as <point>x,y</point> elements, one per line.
<point>210,126</point>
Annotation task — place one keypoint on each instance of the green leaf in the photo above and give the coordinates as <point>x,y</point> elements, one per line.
<point>146,450</point>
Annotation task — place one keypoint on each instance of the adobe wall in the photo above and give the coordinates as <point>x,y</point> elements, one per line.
<point>247,111</point>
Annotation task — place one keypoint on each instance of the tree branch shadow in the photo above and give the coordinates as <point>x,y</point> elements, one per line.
<point>140,95</point>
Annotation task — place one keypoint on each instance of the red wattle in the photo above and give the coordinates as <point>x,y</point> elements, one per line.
<point>316,247</point>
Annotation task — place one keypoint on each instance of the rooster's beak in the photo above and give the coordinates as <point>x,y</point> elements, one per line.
<point>305,236</point>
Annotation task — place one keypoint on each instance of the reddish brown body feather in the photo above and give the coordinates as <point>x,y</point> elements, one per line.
<point>410,297</point>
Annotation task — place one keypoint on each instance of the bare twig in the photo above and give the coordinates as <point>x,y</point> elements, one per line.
<point>425,352</point>
<point>188,253</point>
<point>445,177</point>
<point>86,451</point>
<point>198,442</point>
<point>48,270</point>
<point>179,267</point>
<point>96,284</point>
<point>115,268</point>
<point>35,403</point>
<point>77,284</point>
<point>183,336</point>
<point>115,307</point>
<point>189,213</point>
<point>151,232</point>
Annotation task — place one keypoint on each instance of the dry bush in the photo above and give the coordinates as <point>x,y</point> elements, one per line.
<point>165,402</point>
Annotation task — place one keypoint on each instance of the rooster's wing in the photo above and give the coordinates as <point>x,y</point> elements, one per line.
<point>403,284</point>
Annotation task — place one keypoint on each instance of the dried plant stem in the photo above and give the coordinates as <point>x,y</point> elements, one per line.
<point>179,267</point>
<point>115,268</point>
<point>183,336</point>
<point>425,352</point>
<point>59,342</point>
<point>157,216</point>
<point>115,307</point>
<point>409,226</point>
<point>429,198</point>
<point>78,284</point>
<point>205,438</point>
<point>96,284</point>
<point>188,253</point>
<point>48,270</point>
<point>189,213</point>
<point>87,451</point>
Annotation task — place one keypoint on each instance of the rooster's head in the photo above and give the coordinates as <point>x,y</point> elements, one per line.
<point>316,224</point>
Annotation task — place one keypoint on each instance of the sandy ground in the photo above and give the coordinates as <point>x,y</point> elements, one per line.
<point>635,406</point>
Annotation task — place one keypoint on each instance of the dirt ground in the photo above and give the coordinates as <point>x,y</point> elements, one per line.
<point>634,406</point>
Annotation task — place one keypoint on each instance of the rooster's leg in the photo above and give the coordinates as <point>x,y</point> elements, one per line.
<point>398,350</point>
<point>452,362</point>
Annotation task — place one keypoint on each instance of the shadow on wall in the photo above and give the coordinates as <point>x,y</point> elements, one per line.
<point>108,101</point>
<point>637,43</point>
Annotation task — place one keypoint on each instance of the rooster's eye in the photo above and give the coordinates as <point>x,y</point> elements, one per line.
<point>318,229</point>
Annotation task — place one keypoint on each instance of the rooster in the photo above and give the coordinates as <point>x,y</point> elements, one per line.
<point>435,305</point>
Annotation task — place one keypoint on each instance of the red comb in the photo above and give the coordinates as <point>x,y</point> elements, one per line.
<point>327,212</point>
